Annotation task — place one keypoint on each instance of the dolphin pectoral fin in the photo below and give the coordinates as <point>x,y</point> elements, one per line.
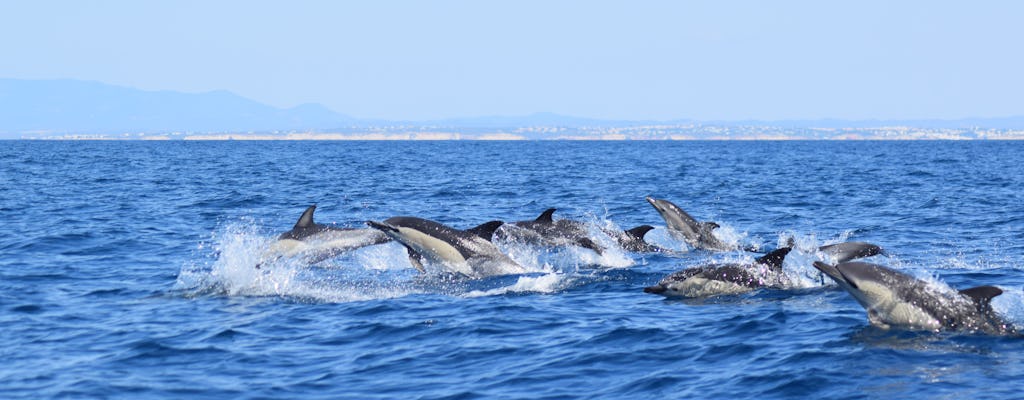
<point>875,319</point>
<point>416,259</point>
<point>546,216</point>
<point>486,230</point>
<point>306,220</point>
<point>589,244</point>
<point>830,270</point>
<point>774,259</point>
<point>982,296</point>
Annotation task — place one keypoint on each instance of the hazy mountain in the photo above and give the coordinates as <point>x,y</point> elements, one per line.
<point>71,106</point>
<point>61,107</point>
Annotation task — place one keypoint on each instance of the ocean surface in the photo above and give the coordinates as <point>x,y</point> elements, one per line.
<point>127,270</point>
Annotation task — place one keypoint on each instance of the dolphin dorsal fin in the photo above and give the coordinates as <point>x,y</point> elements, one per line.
<point>982,295</point>
<point>546,216</point>
<point>306,220</point>
<point>486,229</point>
<point>639,232</point>
<point>774,259</point>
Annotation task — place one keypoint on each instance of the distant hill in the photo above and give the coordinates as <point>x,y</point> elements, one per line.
<point>71,106</point>
<point>55,108</point>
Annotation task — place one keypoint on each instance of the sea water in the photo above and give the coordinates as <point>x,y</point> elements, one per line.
<point>127,270</point>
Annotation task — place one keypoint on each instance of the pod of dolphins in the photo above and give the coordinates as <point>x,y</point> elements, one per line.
<point>891,298</point>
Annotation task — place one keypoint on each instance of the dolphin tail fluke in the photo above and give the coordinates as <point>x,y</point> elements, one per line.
<point>306,220</point>
<point>546,216</point>
<point>774,259</point>
<point>982,296</point>
<point>486,230</point>
<point>639,232</point>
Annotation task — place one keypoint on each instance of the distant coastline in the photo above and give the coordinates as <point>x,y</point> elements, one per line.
<point>614,133</point>
<point>83,110</point>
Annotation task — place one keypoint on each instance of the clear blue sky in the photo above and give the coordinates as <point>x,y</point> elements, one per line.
<point>615,60</point>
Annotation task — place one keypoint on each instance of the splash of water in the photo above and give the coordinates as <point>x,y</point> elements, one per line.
<point>547,283</point>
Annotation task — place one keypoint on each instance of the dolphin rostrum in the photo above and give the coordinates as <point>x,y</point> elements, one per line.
<point>468,252</point>
<point>719,279</point>
<point>896,299</point>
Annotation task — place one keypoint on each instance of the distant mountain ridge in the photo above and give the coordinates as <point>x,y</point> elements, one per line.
<point>72,106</point>
<point>67,106</point>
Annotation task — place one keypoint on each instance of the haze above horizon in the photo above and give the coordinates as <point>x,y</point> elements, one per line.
<point>408,60</point>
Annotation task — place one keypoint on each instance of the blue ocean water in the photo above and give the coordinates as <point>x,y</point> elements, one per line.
<point>126,270</point>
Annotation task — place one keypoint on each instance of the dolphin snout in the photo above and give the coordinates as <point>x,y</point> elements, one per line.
<point>381,226</point>
<point>656,289</point>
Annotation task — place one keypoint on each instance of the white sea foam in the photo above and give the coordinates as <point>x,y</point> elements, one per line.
<point>547,283</point>
<point>232,269</point>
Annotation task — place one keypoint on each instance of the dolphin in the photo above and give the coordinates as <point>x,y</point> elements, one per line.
<point>684,227</point>
<point>719,279</point>
<point>469,253</point>
<point>546,231</point>
<point>895,299</point>
<point>633,240</point>
<point>317,242</point>
<point>847,251</point>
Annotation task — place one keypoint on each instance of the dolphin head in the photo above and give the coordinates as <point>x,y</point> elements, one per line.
<point>890,297</point>
<point>676,219</point>
<point>662,206</point>
<point>847,251</point>
<point>383,227</point>
<point>862,276</point>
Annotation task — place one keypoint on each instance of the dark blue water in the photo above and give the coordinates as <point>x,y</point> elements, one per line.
<point>126,271</point>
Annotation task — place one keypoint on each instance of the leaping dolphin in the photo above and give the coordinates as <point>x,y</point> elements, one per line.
<point>546,231</point>
<point>682,226</point>
<point>468,252</point>
<point>895,299</point>
<point>317,242</point>
<point>720,279</point>
<point>847,251</point>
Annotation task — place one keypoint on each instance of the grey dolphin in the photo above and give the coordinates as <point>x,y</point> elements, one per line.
<point>847,251</point>
<point>468,252</point>
<point>682,226</point>
<point>719,279</point>
<point>317,242</point>
<point>895,299</point>
<point>546,231</point>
